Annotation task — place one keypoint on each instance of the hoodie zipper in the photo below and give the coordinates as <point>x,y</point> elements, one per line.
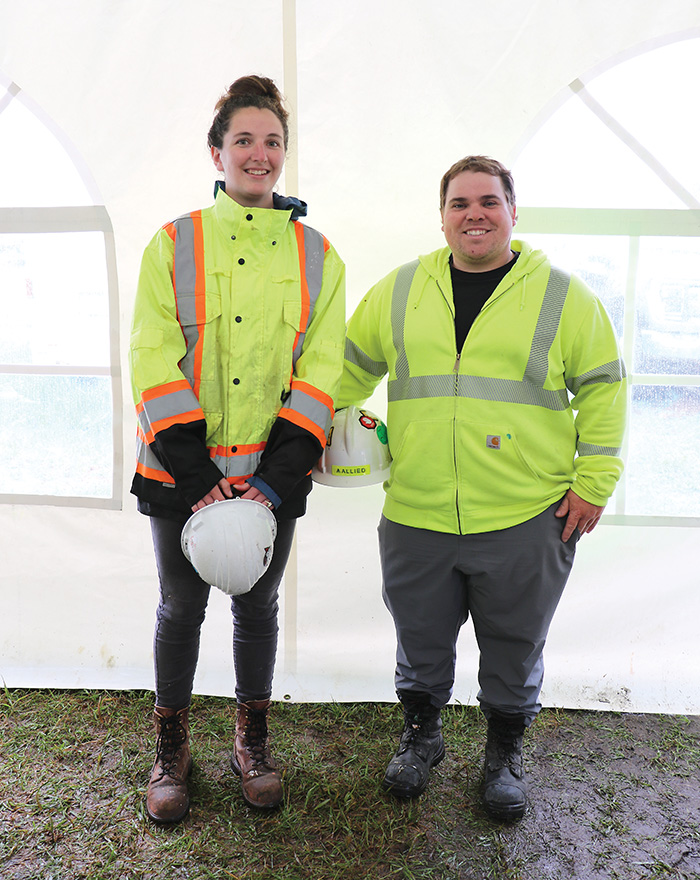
<point>454,439</point>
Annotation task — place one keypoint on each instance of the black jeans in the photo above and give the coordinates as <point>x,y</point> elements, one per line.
<point>181,610</point>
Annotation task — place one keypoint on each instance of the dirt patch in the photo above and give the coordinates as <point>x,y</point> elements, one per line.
<point>611,796</point>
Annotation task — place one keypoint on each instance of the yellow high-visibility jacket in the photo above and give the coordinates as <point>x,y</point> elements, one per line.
<point>236,354</point>
<point>486,438</point>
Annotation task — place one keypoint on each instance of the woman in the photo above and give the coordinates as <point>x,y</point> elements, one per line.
<point>236,355</point>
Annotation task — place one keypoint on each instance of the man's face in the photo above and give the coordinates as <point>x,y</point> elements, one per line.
<point>478,222</point>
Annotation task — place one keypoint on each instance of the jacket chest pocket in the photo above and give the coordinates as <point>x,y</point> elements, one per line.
<point>291,323</point>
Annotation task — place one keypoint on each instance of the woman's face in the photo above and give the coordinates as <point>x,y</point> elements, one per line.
<point>251,156</point>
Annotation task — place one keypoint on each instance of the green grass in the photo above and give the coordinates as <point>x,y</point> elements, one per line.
<point>74,766</point>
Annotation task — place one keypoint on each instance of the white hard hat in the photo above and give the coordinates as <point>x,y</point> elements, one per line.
<point>229,543</point>
<point>357,451</point>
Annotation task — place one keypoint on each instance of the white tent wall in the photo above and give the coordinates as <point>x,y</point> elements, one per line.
<point>389,95</point>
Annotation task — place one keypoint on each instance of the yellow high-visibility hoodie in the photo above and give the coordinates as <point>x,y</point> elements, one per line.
<point>489,437</point>
<point>236,354</point>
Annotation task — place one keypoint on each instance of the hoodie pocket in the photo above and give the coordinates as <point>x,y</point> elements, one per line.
<point>423,469</point>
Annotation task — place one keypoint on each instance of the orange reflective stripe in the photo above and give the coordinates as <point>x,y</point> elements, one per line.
<point>181,419</point>
<point>145,460</point>
<point>156,412</point>
<point>314,392</point>
<point>303,422</point>
<point>245,449</point>
<point>161,391</point>
<point>151,474</point>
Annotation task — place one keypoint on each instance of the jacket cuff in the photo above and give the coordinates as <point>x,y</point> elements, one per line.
<point>263,487</point>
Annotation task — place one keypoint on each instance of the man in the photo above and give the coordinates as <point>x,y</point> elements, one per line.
<point>489,351</point>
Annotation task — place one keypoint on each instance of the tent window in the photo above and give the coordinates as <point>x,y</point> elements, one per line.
<point>59,370</point>
<point>609,188</point>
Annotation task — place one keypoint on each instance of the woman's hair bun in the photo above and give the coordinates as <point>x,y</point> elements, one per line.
<point>247,91</point>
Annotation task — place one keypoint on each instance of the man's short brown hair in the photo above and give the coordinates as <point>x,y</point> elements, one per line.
<point>479,163</point>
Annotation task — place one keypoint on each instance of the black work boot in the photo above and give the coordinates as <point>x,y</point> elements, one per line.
<point>421,747</point>
<point>505,789</point>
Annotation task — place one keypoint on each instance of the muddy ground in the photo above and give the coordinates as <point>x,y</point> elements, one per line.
<point>614,796</point>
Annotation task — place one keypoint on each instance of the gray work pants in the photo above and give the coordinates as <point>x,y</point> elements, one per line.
<point>509,581</point>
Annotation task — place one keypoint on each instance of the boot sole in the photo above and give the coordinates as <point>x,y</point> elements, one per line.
<point>507,814</point>
<point>174,821</point>
<point>411,791</point>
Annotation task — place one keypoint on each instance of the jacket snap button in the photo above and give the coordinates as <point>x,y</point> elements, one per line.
<point>274,242</point>
<point>248,216</point>
<point>241,261</point>
<point>233,238</point>
<point>238,319</point>
<point>234,450</point>
<point>236,381</point>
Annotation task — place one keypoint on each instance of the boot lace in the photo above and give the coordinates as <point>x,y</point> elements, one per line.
<point>171,738</point>
<point>255,737</point>
<point>417,723</point>
<point>505,751</point>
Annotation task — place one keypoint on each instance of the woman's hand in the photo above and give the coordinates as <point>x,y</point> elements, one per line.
<point>252,494</point>
<point>221,492</point>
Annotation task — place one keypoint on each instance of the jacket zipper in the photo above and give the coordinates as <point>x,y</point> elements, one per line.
<point>454,439</point>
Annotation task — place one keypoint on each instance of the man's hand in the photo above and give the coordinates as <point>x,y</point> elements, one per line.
<point>221,492</point>
<point>579,515</point>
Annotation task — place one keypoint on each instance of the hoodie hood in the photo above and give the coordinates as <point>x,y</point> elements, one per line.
<point>437,263</point>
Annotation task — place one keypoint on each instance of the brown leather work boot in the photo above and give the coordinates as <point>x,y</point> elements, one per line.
<point>167,800</point>
<point>251,758</point>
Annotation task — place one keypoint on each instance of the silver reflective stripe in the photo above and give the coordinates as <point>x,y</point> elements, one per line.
<point>547,326</point>
<point>529,390</point>
<point>314,256</point>
<point>606,373</point>
<point>355,355</point>
<point>308,406</point>
<point>237,465</point>
<point>590,449</point>
<point>147,458</point>
<point>184,284</point>
<point>399,304</point>
<point>416,387</point>
<point>169,405</point>
<point>477,388</point>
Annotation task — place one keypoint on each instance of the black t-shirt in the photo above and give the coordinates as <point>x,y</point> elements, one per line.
<point>470,291</point>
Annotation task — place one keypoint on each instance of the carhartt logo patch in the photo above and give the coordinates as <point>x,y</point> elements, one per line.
<point>493,441</point>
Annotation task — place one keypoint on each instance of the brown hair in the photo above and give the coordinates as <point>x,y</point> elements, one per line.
<point>247,91</point>
<point>479,163</point>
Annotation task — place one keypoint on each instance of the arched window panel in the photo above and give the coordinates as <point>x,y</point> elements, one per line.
<point>653,97</point>
<point>576,161</point>
<point>608,187</point>
<point>35,170</point>
<point>60,385</point>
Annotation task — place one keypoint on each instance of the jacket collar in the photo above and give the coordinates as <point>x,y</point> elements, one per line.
<point>279,203</point>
